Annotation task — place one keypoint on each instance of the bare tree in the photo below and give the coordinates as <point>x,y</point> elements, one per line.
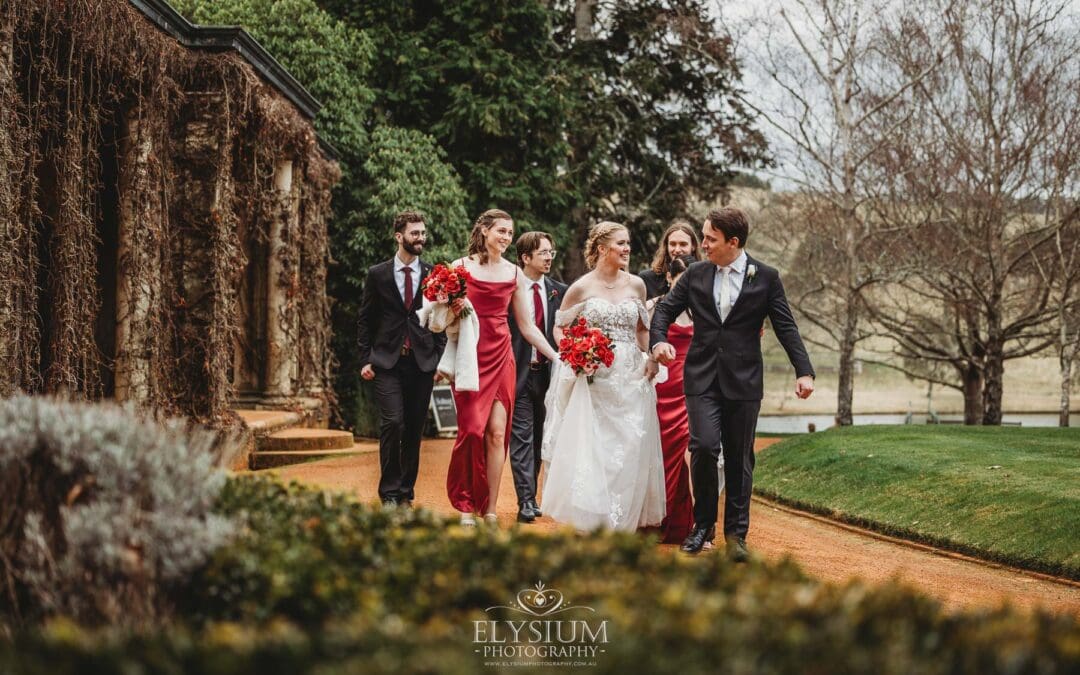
<point>988,144</point>
<point>1068,314</point>
<point>823,59</point>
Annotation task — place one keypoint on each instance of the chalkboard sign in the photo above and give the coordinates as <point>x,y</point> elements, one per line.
<point>442,405</point>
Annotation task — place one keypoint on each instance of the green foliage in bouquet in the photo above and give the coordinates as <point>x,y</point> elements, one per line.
<point>102,510</point>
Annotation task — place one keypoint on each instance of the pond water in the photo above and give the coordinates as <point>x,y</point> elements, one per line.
<point>788,424</point>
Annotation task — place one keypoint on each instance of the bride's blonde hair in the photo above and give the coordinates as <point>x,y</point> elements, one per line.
<point>599,234</point>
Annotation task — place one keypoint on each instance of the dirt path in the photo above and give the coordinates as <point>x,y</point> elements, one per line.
<point>824,549</point>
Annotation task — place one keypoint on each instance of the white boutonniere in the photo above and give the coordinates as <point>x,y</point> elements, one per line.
<point>751,272</point>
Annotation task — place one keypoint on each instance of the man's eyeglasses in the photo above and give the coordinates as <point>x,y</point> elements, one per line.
<point>546,254</point>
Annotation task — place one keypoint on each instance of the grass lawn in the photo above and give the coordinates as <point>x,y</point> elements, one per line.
<point>1006,494</point>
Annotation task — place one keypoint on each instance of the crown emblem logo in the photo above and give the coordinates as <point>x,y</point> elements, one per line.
<point>539,601</point>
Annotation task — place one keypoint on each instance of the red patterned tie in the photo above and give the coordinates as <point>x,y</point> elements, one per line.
<point>538,315</point>
<point>408,298</point>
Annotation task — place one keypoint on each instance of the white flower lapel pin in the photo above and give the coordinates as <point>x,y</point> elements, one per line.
<point>751,273</point>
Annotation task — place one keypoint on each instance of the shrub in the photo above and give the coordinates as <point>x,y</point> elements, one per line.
<point>315,582</point>
<point>103,509</point>
<point>360,585</point>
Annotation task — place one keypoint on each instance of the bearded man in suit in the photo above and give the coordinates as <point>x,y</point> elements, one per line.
<point>399,356</point>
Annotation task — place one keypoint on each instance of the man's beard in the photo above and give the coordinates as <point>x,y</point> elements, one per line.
<point>413,248</point>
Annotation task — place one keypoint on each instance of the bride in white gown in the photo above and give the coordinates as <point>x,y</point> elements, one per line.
<point>601,444</point>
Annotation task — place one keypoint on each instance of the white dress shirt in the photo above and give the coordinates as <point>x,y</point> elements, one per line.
<point>543,307</point>
<point>736,272</point>
<point>399,276</point>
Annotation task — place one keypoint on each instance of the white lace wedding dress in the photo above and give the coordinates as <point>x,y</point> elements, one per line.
<point>601,442</point>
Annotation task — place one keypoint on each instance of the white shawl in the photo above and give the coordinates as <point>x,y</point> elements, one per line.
<point>458,361</point>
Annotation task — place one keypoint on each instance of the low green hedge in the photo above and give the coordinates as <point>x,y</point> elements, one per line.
<point>318,583</point>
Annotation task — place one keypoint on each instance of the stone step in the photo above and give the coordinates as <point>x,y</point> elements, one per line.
<point>301,439</point>
<point>274,458</point>
<point>262,422</point>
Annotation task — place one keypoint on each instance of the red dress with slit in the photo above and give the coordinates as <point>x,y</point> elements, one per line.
<point>674,438</point>
<point>466,481</point>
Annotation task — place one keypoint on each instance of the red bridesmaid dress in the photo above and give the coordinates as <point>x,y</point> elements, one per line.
<point>466,481</point>
<point>675,438</point>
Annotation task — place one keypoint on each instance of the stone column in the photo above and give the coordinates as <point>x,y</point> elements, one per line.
<point>280,331</point>
<point>314,314</point>
<point>206,247</point>
<point>138,279</point>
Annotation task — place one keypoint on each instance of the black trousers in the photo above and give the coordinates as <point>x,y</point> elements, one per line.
<point>715,423</point>
<point>403,394</point>
<point>527,433</point>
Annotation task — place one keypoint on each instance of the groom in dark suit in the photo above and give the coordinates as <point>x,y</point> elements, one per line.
<point>535,253</point>
<point>729,296</point>
<point>400,356</point>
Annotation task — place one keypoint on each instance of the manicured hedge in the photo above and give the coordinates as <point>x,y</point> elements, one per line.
<point>317,582</point>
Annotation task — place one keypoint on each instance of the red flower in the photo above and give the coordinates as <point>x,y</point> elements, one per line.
<point>446,285</point>
<point>442,281</point>
<point>585,348</point>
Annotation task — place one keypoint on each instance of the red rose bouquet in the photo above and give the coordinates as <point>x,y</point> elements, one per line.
<point>444,285</point>
<point>585,348</point>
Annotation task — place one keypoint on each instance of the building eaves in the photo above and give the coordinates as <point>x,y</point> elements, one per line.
<point>234,38</point>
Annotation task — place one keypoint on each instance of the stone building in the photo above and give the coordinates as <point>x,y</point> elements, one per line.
<point>163,210</point>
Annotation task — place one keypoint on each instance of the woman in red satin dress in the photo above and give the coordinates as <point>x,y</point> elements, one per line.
<point>484,416</point>
<point>674,426</point>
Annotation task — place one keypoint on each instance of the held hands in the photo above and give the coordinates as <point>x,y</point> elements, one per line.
<point>457,305</point>
<point>663,352</point>
<point>804,386</point>
<point>651,369</point>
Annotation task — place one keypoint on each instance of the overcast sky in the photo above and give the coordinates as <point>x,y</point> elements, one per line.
<point>757,28</point>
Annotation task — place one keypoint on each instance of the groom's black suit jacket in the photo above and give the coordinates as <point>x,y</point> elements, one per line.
<point>384,320</point>
<point>730,351</point>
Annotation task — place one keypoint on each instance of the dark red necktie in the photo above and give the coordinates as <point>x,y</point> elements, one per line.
<point>538,315</point>
<point>408,298</point>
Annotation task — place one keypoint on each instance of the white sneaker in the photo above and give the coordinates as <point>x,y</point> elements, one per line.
<point>467,520</point>
<point>491,519</point>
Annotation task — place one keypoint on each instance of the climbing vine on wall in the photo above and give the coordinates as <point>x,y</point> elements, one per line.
<point>196,136</point>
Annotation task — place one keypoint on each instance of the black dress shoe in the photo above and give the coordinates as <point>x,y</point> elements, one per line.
<point>696,541</point>
<point>736,549</point>
<point>525,513</point>
<point>710,536</point>
<point>536,509</point>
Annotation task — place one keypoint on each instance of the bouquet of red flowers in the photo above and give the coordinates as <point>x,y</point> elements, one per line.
<point>445,285</point>
<point>585,348</point>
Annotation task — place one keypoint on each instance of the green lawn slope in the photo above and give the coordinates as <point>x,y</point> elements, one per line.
<point>1006,494</point>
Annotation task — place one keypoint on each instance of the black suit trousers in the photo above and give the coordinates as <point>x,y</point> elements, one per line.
<point>403,394</point>
<point>720,425</point>
<point>527,432</point>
